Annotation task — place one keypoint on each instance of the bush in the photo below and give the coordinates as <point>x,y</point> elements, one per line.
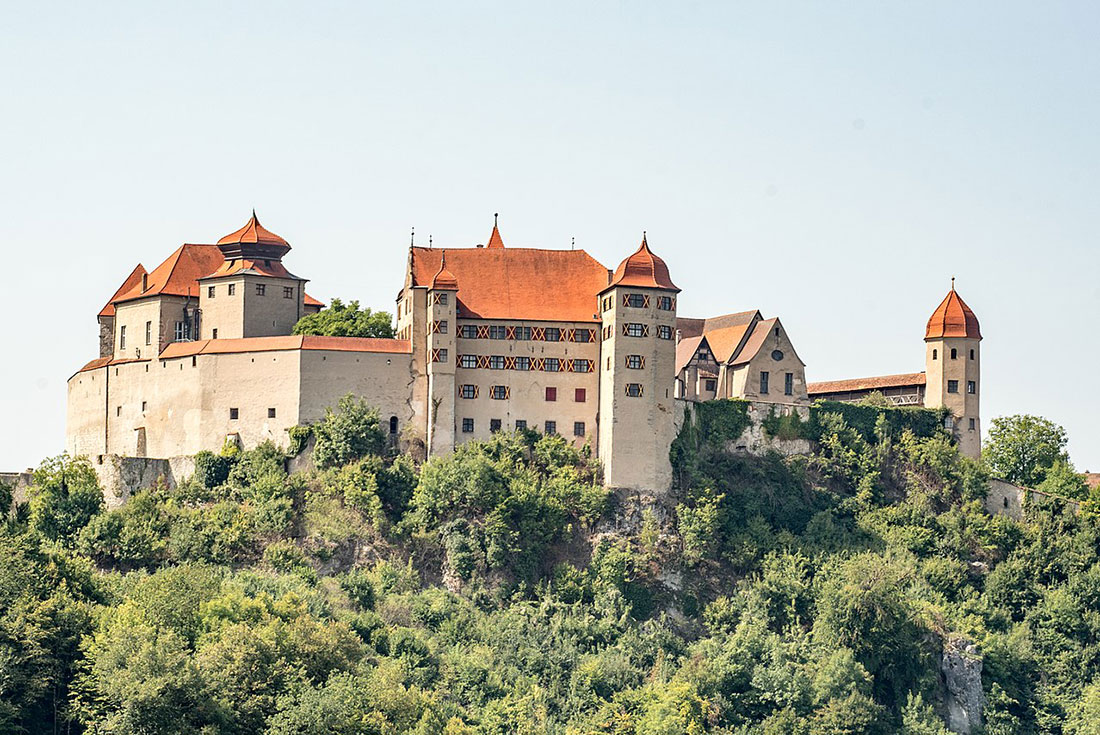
<point>347,434</point>
<point>211,470</point>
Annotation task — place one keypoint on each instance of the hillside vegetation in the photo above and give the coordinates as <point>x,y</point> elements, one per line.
<point>503,590</point>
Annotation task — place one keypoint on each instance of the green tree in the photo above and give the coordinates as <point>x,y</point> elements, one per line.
<point>65,496</point>
<point>340,320</point>
<point>350,432</point>
<point>1023,449</point>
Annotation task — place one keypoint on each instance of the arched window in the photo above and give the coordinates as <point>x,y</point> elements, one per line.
<point>935,354</point>
<point>393,424</point>
<point>954,353</point>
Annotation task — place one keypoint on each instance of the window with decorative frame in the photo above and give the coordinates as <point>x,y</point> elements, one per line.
<point>634,329</point>
<point>664,331</point>
<point>496,362</point>
<point>552,334</point>
<point>581,335</point>
<point>523,363</point>
<point>665,303</point>
<point>499,392</point>
<point>634,390</point>
<point>439,355</point>
<point>468,391</point>
<point>606,303</point>
<point>497,331</point>
<point>439,326</point>
<point>580,365</point>
<point>636,300</point>
<point>551,365</point>
<point>635,362</point>
<point>522,334</point>
<point>467,361</point>
<point>440,298</point>
<point>468,331</point>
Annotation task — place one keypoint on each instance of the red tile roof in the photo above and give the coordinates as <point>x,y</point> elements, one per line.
<point>755,341</point>
<point>725,342</point>
<point>283,343</point>
<point>643,269</point>
<point>953,318</point>
<point>310,301</point>
<point>253,241</point>
<point>495,240</point>
<point>868,384</point>
<point>179,275</point>
<point>444,279</point>
<point>685,351</point>
<point>517,283</point>
<point>273,268</point>
<point>133,280</point>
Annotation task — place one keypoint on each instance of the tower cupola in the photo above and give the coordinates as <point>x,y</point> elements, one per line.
<point>953,319</point>
<point>643,269</point>
<point>254,242</point>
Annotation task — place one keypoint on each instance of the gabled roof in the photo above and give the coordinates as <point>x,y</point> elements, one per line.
<point>726,342</point>
<point>690,327</point>
<point>516,283</point>
<point>133,280</point>
<point>685,351</point>
<point>643,269</point>
<point>953,318</point>
<point>879,382</point>
<point>756,340</point>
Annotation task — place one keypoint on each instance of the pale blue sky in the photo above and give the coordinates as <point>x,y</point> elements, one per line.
<point>833,164</point>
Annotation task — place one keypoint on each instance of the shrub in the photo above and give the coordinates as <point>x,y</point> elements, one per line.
<point>347,434</point>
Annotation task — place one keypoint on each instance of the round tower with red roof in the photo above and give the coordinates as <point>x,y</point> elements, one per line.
<point>952,340</point>
<point>638,362</point>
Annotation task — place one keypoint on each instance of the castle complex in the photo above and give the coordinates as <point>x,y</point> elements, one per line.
<point>199,351</point>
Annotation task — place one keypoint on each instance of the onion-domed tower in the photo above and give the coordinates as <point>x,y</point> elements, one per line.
<point>637,370</point>
<point>953,368</point>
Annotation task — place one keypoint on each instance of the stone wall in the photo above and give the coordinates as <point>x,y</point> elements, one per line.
<point>1010,500</point>
<point>121,477</point>
<point>18,482</point>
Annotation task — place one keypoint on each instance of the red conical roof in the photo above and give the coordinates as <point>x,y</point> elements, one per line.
<point>953,318</point>
<point>643,269</point>
<point>495,240</point>
<point>445,280</point>
<point>253,241</point>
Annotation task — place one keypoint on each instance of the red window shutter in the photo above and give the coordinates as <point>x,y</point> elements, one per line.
<point>581,395</point>
<point>645,301</point>
<point>483,331</point>
<point>626,299</point>
<point>507,391</point>
<point>551,394</point>
<point>538,334</point>
<point>509,363</point>
<point>645,330</point>
<point>510,333</point>
<point>483,361</point>
<point>537,363</point>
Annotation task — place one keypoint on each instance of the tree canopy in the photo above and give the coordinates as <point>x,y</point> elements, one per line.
<point>1023,449</point>
<point>346,320</point>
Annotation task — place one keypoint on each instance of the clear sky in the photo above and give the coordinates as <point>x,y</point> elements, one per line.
<point>833,164</point>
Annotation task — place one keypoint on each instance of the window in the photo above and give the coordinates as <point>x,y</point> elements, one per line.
<point>710,384</point>
<point>194,361</point>
<point>551,393</point>
<point>764,381</point>
<point>271,413</point>
<point>467,331</point>
<point>664,331</point>
<point>580,395</point>
<point>210,292</point>
<point>393,424</point>
<point>232,289</point>
<point>664,303</point>
<point>118,410</point>
<point>467,426</point>
<point>523,363</point>
<point>145,404</point>
<point>578,428</point>
<point>553,334</point>
<point>494,425</point>
<point>551,427</point>
<point>971,387</point>
<point>521,425</point>
<point>183,331</point>
<point>552,365</point>
<point>499,392</point>
<point>952,386</point>
<point>635,300</point>
<point>635,362</point>
<point>972,354</point>
<point>633,329</point>
<point>954,353</point>
<point>973,425</point>
<point>634,390</point>
<point>788,384</point>
<point>582,366</point>
<point>467,361</point>
<point>935,354</point>
<point>261,289</point>
<point>468,391</point>
<point>439,327</point>
<point>214,333</point>
<point>288,292</point>
<point>496,362</point>
<point>608,363</point>
<point>439,298</point>
<point>582,335</point>
<point>148,333</point>
<point>497,332</point>
<point>234,414</point>
<point>523,333</point>
<point>606,304</point>
<point>122,337</point>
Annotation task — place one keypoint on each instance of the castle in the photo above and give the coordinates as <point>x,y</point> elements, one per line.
<point>199,351</point>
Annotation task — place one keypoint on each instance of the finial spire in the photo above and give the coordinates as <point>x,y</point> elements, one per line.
<point>495,215</point>
<point>430,244</point>
<point>573,243</point>
<point>952,283</point>
<point>412,237</point>
<point>495,240</point>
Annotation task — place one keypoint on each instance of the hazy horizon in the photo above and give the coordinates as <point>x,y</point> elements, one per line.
<point>832,167</point>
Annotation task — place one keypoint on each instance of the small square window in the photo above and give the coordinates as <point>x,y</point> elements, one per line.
<point>553,334</point>
<point>234,414</point>
<point>468,361</point>
<point>578,428</point>
<point>635,300</point>
<point>467,426</point>
<point>551,394</point>
<point>499,392</point>
<point>467,331</point>
<point>210,292</point>
<point>952,386</point>
<point>664,331</point>
<point>551,427</point>
<point>441,299</point>
<point>261,289</point>
<point>288,292</point>
<point>580,395</point>
<point>634,390</point>
<point>469,391</point>
<point>521,425</point>
<point>271,413</point>
<point>232,289</point>
<point>523,363</point>
<point>710,384</point>
<point>497,331</point>
<point>635,362</point>
<point>494,425</point>
<point>633,329</point>
<point>552,365</point>
<point>664,303</point>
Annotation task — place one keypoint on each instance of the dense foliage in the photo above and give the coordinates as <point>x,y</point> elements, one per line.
<point>503,590</point>
<point>346,320</point>
<point>1031,451</point>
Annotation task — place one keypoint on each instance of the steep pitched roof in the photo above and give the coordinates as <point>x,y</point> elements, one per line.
<point>444,279</point>
<point>516,283</point>
<point>953,318</point>
<point>726,342</point>
<point>685,351</point>
<point>755,341</point>
<point>133,280</point>
<point>903,380</point>
<point>253,241</point>
<point>495,240</point>
<point>643,269</point>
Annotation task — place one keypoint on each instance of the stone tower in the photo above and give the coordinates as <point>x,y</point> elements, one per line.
<point>637,370</point>
<point>441,329</point>
<point>953,368</point>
